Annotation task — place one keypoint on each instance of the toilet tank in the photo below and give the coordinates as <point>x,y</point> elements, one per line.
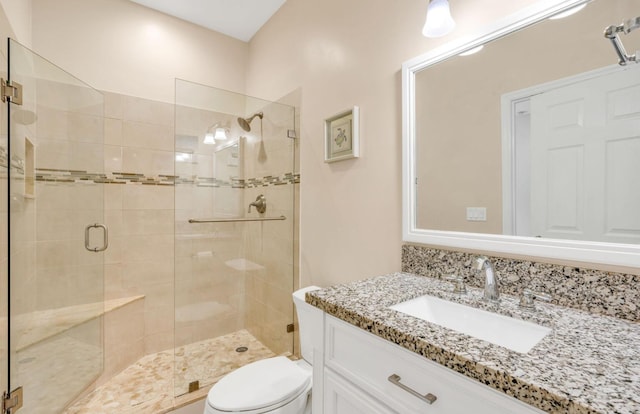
<point>309,322</point>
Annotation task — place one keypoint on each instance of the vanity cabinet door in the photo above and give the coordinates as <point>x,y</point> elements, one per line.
<point>342,397</point>
<point>370,363</point>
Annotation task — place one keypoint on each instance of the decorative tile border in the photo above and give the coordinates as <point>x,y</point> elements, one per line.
<point>70,176</point>
<point>3,157</point>
<point>604,293</point>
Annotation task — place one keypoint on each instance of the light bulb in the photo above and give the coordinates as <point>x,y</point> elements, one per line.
<point>221,134</point>
<point>439,21</point>
<point>209,139</point>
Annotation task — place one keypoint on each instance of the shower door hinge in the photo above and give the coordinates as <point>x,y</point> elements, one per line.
<point>12,402</point>
<point>11,91</point>
<point>194,386</point>
<point>290,328</point>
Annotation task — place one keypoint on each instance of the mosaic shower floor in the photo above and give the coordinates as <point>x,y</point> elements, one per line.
<point>147,387</point>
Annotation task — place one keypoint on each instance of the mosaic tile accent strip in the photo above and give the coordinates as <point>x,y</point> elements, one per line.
<point>603,293</point>
<point>588,364</point>
<point>71,176</point>
<point>3,157</point>
<point>288,178</point>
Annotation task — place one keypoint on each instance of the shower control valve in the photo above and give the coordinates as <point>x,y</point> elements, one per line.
<point>260,204</point>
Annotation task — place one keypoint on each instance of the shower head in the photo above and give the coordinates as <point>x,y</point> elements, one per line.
<point>245,123</point>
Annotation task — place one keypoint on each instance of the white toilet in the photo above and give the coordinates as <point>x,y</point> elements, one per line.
<point>274,385</point>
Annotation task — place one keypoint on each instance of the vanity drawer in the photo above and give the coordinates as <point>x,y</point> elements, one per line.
<point>342,397</point>
<point>368,361</point>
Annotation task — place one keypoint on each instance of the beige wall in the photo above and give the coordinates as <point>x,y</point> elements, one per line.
<point>119,46</point>
<point>342,54</point>
<point>18,23</point>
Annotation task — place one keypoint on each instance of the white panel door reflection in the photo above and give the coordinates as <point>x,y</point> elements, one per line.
<point>585,146</point>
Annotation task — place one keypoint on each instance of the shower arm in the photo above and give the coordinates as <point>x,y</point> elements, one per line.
<point>612,33</point>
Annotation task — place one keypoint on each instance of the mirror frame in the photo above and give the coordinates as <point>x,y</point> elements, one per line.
<point>581,251</point>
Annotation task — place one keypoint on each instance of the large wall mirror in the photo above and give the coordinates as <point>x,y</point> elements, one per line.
<point>531,145</point>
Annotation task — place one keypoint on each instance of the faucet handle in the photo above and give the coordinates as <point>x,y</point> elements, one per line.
<point>260,204</point>
<point>458,284</point>
<point>528,296</point>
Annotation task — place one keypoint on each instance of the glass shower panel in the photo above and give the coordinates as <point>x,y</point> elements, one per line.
<point>4,224</point>
<point>56,208</point>
<point>233,268</point>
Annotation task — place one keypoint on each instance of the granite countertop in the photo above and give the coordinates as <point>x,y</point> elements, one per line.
<point>587,364</point>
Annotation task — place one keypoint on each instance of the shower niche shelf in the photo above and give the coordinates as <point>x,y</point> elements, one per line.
<point>29,169</point>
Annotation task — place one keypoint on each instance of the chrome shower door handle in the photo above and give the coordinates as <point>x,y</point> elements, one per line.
<point>105,237</point>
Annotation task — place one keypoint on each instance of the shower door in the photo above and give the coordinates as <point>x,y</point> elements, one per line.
<point>234,261</point>
<point>56,236</point>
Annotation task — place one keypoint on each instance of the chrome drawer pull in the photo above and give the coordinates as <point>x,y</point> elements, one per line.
<point>395,380</point>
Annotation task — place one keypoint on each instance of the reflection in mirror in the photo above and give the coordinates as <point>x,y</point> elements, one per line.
<point>227,170</point>
<point>536,135</point>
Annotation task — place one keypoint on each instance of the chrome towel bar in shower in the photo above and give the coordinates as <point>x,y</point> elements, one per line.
<point>231,220</point>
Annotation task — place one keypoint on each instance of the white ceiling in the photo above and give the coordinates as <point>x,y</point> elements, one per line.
<point>236,18</point>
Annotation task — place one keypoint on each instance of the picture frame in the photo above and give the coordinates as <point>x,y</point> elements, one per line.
<point>341,136</point>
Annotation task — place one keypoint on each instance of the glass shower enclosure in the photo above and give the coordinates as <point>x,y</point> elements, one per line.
<point>56,240</point>
<point>234,232</point>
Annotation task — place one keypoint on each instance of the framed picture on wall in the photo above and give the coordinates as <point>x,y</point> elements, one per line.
<point>341,136</point>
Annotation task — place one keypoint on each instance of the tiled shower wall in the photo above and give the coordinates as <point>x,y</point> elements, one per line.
<point>138,141</point>
<point>209,294</point>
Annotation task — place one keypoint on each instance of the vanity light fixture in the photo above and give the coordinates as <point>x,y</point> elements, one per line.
<point>211,137</point>
<point>568,13</point>
<point>439,21</point>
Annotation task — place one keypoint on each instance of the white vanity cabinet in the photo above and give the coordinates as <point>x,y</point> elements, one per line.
<point>355,371</point>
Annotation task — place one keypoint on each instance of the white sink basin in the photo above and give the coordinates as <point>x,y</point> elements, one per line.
<point>514,334</point>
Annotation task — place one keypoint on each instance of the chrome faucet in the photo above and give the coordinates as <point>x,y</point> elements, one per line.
<point>491,288</point>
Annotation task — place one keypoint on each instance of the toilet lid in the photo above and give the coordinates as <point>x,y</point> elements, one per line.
<point>258,385</point>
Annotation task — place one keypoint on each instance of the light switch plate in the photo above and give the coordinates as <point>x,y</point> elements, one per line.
<point>476,214</point>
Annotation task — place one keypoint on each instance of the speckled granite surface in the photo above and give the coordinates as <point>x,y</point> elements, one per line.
<point>587,364</point>
<point>604,293</point>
